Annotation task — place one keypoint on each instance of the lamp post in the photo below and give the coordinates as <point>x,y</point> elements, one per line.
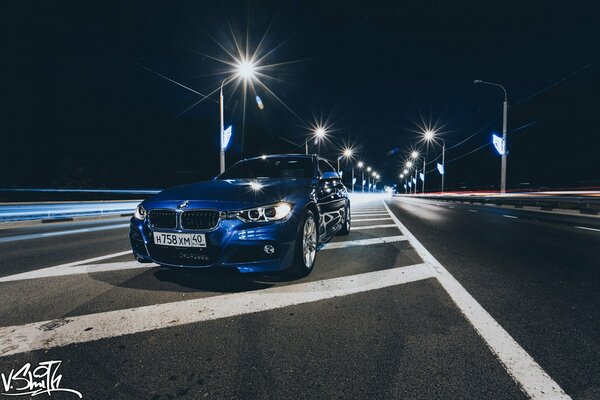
<point>373,175</point>
<point>347,154</point>
<point>504,123</point>
<point>244,70</point>
<point>429,136</point>
<point>443,163</point>
<point>362,170</point>
<point>414,155</point>
<point>369,178</point>
<point>222,153</point>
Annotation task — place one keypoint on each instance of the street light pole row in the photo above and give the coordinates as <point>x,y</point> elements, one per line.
<point>429,136</point>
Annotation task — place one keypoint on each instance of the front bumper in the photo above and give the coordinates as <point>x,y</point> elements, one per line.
<point>233,244</point>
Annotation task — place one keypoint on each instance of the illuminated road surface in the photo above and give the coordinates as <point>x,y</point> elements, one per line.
<point>422,300</point>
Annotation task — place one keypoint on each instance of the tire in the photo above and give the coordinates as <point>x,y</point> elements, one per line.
<point>306,246</point>
<point>347,222</point>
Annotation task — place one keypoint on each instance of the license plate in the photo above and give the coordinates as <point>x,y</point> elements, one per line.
<point>180,239</point>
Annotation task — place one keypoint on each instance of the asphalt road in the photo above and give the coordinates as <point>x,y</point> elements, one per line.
<point>432,301</point>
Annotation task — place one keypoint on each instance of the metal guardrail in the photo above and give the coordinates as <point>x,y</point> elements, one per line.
<point>588,205</point>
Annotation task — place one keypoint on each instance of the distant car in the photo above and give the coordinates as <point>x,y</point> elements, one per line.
<point>262,215</point>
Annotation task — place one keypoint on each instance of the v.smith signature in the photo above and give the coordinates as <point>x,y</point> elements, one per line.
<point>33,382</point>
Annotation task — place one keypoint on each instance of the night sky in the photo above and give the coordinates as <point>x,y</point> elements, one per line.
<point>81,108</point>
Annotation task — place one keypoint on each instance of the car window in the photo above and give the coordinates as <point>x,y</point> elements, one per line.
<point>275,167</point>
<point>324,166</point>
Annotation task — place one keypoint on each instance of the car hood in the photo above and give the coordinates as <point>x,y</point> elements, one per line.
<point>233,193</point>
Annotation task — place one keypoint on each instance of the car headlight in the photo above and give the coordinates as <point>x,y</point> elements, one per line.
<point>272,212</point>
<point>140,213</point>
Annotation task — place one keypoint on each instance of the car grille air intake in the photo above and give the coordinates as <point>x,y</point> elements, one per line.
<point>164,219</point>
<point>199,219</point>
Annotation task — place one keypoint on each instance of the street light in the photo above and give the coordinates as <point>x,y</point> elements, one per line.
<point>362,170</point>
<point>244,70</point>
<point>347,154</point>
<point>319,133</point>
<point>504,122</point>
<point>414,155</point>
<point>429,136</point>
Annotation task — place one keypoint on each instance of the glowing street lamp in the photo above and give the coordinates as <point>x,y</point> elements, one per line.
<point>347,154</point>
<point>414,155</point>
<point>429,136</point>
<point>361,165</point>
<point>244,70</point>
<point>319,133</point>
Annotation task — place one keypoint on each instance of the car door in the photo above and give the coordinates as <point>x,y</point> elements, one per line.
<point>330,202</point>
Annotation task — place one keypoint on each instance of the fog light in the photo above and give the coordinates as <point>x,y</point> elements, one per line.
<point>269,249</point>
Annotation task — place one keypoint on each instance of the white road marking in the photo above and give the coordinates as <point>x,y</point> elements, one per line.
<point>369,214</point>
<point>60,233</point>
<point>86,328</point>
<point>62,269</point>
<point>586,228</point>
<point>509,216</point>
<point>368,219</point>
<point>473,210</point>
<point>80,269</point>
<point>530,376</point>
<point>362,228</point>
<point>362,242</point>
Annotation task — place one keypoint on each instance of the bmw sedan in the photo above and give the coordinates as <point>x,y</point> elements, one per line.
<point>262,215</point>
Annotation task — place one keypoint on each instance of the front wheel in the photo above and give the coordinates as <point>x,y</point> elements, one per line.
<point>347,221</point>
<point>306,246</point>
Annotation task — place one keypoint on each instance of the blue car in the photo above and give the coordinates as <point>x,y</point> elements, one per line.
<point>262,215</point>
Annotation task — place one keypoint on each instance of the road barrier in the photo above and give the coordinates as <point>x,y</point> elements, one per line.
<point>589,205</point>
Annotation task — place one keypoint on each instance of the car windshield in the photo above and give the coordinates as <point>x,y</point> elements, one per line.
<point>274,167</point>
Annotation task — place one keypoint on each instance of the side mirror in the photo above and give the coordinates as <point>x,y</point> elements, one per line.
<point>328,175</point>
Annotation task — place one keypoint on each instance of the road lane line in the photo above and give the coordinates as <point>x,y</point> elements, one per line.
<point>368,214</point>
<point>362,242</point>
<point>77,270</point>
<point>62,269</point>
<point>586,228</point>
<point>509,216</point>
<point>530,376</point>
<point>362,228</point>
<point>369,219</point>
<point>60,233</point>
<point>90,327</point>
<point>473,211</point>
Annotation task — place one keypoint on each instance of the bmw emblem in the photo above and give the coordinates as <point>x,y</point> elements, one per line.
<point>183,205</point>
